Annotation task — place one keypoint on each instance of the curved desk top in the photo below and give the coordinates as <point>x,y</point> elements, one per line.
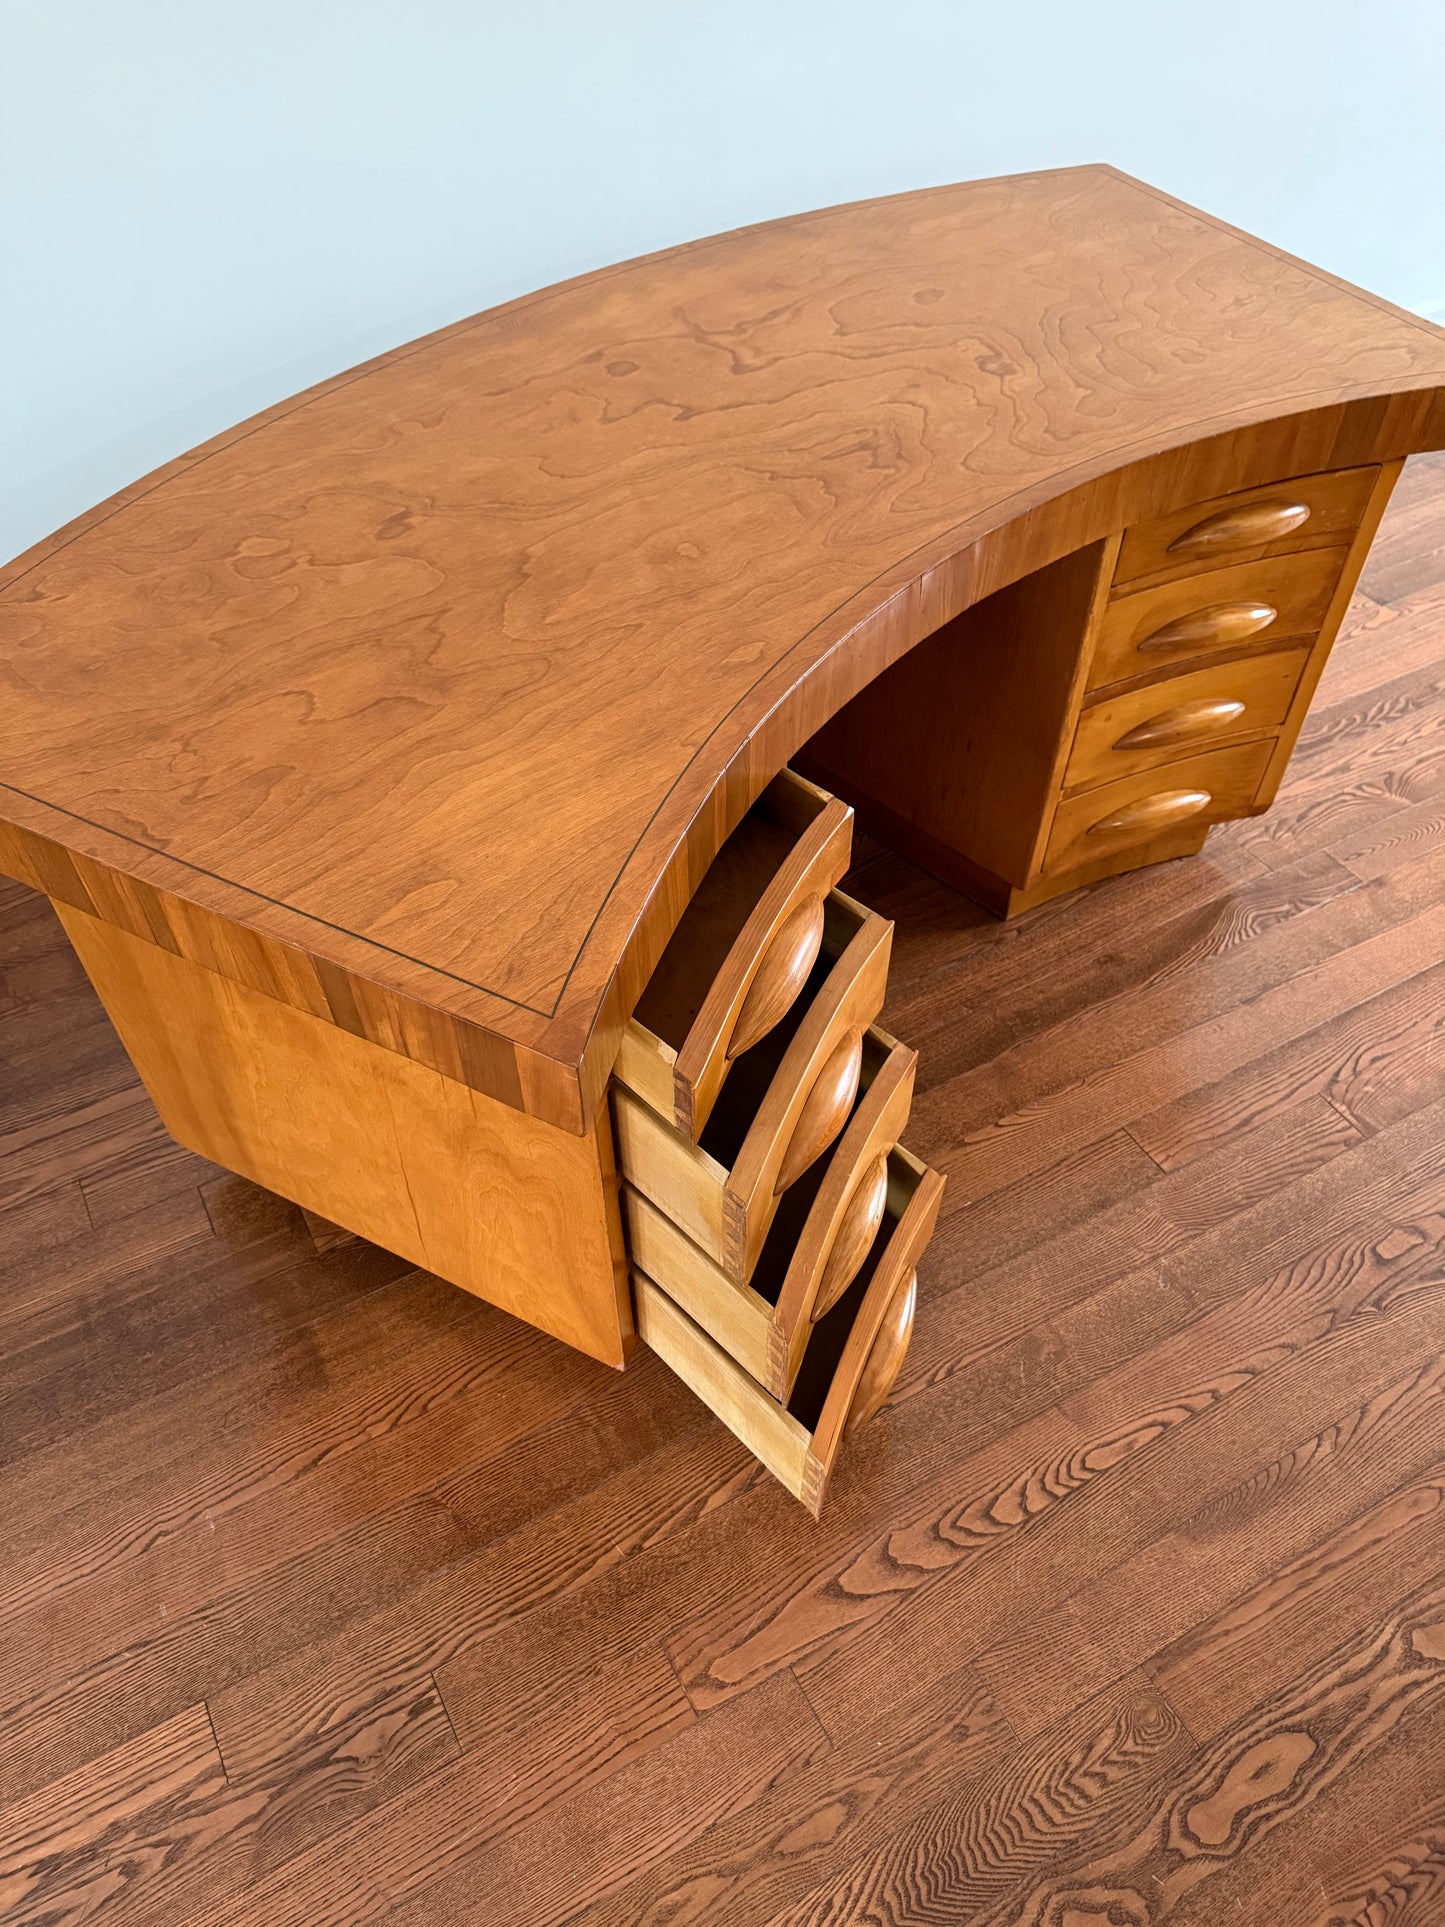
<point>424,699</point>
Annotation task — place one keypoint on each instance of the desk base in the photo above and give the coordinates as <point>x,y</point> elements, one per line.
<point>511,1209</point>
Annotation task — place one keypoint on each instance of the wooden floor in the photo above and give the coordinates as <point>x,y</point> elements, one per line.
<point>330,1596</point>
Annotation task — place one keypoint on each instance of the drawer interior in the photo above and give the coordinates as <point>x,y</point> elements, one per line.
<point>741,1098</point>
<point>741,951</point>
<point>812,1246</point>
<point>799,1441</point>
<point>712,923</point>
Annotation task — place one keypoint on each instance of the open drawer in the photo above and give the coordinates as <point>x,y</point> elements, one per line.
<point>851,1362</point>
<point>784,1102</point>
<point>742,952</point>
<point>824,1228</point>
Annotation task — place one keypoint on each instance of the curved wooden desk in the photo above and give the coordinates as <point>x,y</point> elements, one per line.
<point>373,752</point>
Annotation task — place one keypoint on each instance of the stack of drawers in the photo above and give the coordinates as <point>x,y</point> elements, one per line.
<point>1206,652</point>
<point>773,1218</point>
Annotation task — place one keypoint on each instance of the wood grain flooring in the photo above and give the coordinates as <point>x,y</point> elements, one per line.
<point>329,1595</point>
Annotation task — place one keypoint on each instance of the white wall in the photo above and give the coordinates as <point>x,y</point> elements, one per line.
<point>209,206</point>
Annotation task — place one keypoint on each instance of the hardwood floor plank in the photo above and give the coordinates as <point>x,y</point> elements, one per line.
<point>961,1860</point>
<point>991,1231</point>
<point>1199,1405</point>
<point>1123,967</point>
<point>158,1828</point>
<point>751,1863</point>
<point>1373,1062</point>
<point>1186,1846</point>
<point>1409,552</point>
<point>40,1305</point>
<point>1306,1607</point>
<point>1383,1858</point>
<point>480,1839</point>
<point>1255,1194</point>
<point>256,1630</point>
<point>1047,1125</point>
<point>58,1146</point>
<point>1402,838</point>
<point>31,1231</point>
<point>214,1436</point>
<point>91,1842</point>
<point>172,1318</point>
<point>1235,1539</point>
<point>632,1821</point>
<point>946,947</point>
<point>1361,767</point>
<point>557,1550</point>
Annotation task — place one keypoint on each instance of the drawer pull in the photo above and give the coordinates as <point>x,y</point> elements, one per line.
<point>857,1229</point>
<point>780,976</point>
<point>1213,628</point>
<point>1183,723</point>
<point>885,1361</point>
<point>1241,528</point>
<point>824,1110</point>
<point>1157,812</point>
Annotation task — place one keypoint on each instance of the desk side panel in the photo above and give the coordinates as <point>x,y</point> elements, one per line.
<point>511,1209</point>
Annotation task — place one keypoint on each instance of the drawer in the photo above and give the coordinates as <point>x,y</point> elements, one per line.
<point>1271,603</point>
<point>1186,794</point>
<point>784,1102</point>
<point>741,953</point>
<point>1309,512</point>
<point>1140,728</point>
<point>824,1228</point>
<point>852,1359</point>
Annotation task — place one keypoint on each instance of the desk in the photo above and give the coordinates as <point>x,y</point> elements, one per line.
<point>480,732</point>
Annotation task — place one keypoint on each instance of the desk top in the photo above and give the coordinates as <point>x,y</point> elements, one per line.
<point>453,672</point>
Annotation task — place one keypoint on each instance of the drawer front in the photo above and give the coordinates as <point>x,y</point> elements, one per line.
<point>741,953</point>
<point>784,1103</point>
<point>851,1365</point>
<point>822,1233</point>
<point>1310,512</point>
<point>1270,604</point>
<point>1142,728</point>
<point>1138,809</point>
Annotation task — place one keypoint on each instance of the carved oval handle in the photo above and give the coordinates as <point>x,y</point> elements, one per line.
<point>1242,528</point>
<point>1151,813</point>
<point>885,1360</point>
<point>857,1228</point>
<point>1213,628</point>
<point>780,976</point>
<point>824,1109</point>
<point>1182,723</point>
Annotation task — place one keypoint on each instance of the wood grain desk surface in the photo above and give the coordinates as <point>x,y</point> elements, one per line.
<point>448,677</point>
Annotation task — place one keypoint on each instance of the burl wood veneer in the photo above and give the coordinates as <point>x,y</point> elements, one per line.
<point>375,750</point>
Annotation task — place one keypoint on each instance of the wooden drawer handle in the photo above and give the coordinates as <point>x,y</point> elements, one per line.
<point>825,1109</point>
<point>857,1228</point>
<point>780,976</point>
<point>885,1361</point>
<point>1150,813</point>
<point>1182,723</point>
<point>1212,628</point>
<point>1243,528</point>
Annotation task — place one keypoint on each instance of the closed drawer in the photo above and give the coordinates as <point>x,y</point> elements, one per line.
<point>1142,728</point>
<point>1310,512</point>
<point>740,954</point>
<point>1138,809</point>
<point>851,1362</point>
<point>1271,603</point>
<point>824,1228</point>
<point>784,1102</point>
